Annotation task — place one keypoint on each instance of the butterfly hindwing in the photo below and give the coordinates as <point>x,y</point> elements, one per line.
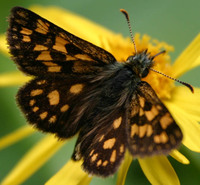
<point>102,146</point>
<point>152,129</point>
<point>41,48</point>
<point>54,105</point>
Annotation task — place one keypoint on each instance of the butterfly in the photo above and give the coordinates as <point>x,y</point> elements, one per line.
<point>81,88</point>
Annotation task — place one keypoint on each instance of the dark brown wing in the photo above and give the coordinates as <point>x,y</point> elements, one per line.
<point>151,129</point>
<point>54,105</point>
<point>39,47</point>
<point>102,147</point>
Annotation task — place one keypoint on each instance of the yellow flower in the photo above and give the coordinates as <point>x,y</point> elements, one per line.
<point>185,111</point>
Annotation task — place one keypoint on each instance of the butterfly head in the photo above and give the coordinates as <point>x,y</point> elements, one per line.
<point>140,63</point>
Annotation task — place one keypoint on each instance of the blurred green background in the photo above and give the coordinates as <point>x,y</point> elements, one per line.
<point>175,22</point>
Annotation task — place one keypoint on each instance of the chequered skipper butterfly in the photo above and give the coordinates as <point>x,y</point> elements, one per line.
<point>81,88</point>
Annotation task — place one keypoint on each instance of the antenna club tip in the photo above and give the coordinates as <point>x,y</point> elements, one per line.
<point>122,10</point>
<point>192,89</point>
<point>125,13</point>
<point>189,86</point>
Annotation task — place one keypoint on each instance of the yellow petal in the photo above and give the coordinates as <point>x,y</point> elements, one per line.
<point>33,160</point>
<point>188,125</point>
<point>121,177</point>
<point>159,171</point>
<point>16,136</point>
<point>189,102</point>
<point>90,31</point>
<point>70,174</point>
<point>188,59</point>
<point>13,78</point>
<point>179,157</point>
<point>99,35</point>
<point>3,45</point>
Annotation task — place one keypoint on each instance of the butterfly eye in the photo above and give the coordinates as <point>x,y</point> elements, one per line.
<point>145,73</point>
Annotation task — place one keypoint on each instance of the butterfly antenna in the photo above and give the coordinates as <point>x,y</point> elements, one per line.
<point>129,26</point>
<point>184,83</point>
<point>161,52</point>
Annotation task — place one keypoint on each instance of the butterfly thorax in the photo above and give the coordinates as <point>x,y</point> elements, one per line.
<point>117,82</point>
<point>140,63</point>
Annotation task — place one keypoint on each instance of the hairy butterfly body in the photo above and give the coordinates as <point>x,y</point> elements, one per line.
<point>81,88</point>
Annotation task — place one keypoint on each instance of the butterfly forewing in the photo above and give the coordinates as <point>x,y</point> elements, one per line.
<point>152,129</point>
<point>41,48</point>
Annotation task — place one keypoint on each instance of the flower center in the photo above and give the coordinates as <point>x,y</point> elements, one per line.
<point>162,85</point>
